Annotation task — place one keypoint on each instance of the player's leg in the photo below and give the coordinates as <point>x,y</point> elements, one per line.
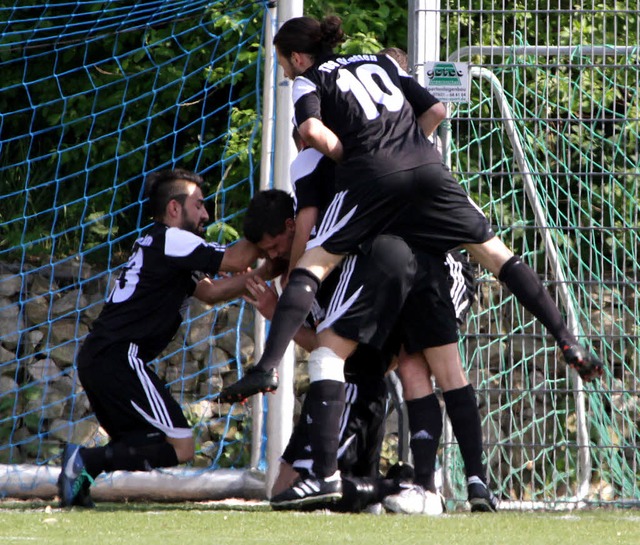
<point>424,415</point>
<point>325,403</point>
<point>433,352</point>
<point>293,307</point>
<point>443,217</point>
<point>363,309</point>
<point>528,289</point>
<point>146,425</point>
<point>462,408</point>
<point>353,217</point>
<point>368,292</point>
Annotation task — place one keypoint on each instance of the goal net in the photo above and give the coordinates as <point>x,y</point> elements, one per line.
<point>547,145</point>
<point>94,96</point>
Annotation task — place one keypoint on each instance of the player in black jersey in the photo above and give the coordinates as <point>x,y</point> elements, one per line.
<point>311,176</point>
<point>362,310</point>
<point>146,426</point>
<point>370,117</point>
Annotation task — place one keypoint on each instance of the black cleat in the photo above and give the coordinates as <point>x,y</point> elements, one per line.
<point>74,481</point>
<point>481,498</point>
<point>255,381</point>
<point>309,492</point>
<point>588,366</point>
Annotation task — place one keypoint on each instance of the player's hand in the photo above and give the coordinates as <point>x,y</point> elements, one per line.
<point>262,296</point>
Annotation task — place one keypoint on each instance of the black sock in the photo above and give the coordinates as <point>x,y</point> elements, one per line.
<point>326,404</point>
<point>292,309</point>
<point>527,288</point>
<point>425,426</point>
<point>463,412</point>
<point>120,456</point>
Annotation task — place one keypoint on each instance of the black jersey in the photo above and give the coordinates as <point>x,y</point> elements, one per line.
<point>312,179</point>
<point>371,105</point>
<point>146,304</point>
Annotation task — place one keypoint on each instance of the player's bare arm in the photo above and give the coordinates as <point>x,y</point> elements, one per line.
<point>430,119</point>
<point>305,221</point>
<point>213,291</point>
<point>315,133</point>
<point>239,256</point>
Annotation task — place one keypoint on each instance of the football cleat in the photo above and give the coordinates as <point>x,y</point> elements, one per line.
<point>481,499</point>
<point>415,500</point>
<point>74,481</point>
<point>588,366</point>
<point>255,381</point>
<point>309,492</point>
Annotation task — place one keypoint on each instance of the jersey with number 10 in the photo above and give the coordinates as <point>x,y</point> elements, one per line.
<point>371,105</point>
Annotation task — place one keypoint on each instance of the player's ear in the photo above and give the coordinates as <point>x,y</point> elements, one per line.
<point>297,59</point>
<point>290,224</point>
<point>173,209</point>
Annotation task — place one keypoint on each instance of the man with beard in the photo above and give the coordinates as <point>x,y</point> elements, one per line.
<point>146,426</point>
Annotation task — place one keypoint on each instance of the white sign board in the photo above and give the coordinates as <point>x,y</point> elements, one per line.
<point>448,81</point>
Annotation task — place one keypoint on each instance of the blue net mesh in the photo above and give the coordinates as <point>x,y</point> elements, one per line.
<point>95,96</point>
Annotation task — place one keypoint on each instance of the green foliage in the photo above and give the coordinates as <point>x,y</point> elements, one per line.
<point>369,25</point>
<point>181,94</point>
<point>576,116</point>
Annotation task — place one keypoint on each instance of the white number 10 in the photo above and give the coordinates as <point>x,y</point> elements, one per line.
<point>368,92</point>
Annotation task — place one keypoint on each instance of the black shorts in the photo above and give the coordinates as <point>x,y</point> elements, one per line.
<point>425,206</point>
<point>128,397</point>
<point>361,431</point>
<point>428,318</point>
<point>363,301</point>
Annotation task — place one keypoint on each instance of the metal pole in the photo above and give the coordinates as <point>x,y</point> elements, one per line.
<point>266,173</point>
<point>281,403</point>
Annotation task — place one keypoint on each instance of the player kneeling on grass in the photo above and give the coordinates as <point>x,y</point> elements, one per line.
<point>146,426</point>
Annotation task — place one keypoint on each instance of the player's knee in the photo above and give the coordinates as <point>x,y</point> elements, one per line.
<point>185,450</point>
<point>325,364</point>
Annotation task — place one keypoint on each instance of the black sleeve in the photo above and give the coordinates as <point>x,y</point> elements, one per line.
<point>306,100</point>
<point>419,98</point>
<point>315,188</point>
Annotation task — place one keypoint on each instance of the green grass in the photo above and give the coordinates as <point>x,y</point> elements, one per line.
<point>195,524</point>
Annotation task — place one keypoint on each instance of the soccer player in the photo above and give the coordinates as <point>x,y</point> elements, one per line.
<point>146,426</point>
<point>369,116</point>
<point>363,309</point>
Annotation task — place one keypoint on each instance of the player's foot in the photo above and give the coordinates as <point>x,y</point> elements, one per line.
<point>254,381</point>
<point>415,500</point>
<point>587,365</point>
<point>83,498</point>
<point>481,498</point>
<point>309,491</point>
<point>74,481</point>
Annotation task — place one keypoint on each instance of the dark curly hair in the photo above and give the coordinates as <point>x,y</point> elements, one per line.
<point>267,214</point>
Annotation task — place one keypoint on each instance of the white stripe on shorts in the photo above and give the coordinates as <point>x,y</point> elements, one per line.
<point>458,287</point>
<point>338,305</point>
<point>160,419</point>
<point>330,223</point>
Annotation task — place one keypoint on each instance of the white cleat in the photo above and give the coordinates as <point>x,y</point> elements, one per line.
<point>415,500</point>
